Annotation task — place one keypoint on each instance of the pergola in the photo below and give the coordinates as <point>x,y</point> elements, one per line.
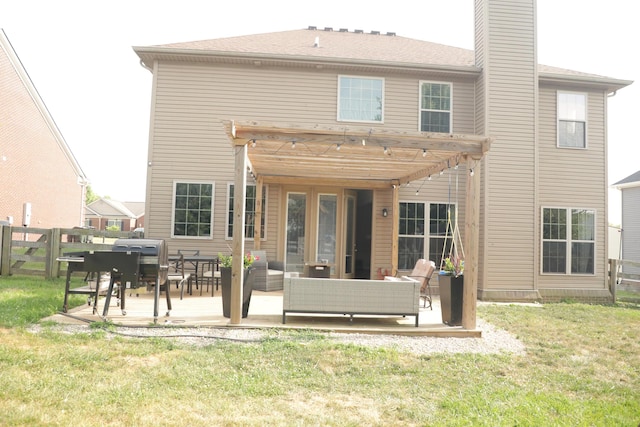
<point>354,157</point>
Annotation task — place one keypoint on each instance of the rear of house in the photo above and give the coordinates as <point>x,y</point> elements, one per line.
<point>543,218</point>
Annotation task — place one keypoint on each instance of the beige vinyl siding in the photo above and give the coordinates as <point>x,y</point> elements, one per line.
<point>574,178</point>
<point>631,228</point>
<point>189,142</point>
<point>382,231</point>
<point>509,87</point>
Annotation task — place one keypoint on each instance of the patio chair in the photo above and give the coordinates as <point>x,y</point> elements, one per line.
<point>191,266</point>
<point>422,271</point>
<point>177,274</point>
<point>267,276</point>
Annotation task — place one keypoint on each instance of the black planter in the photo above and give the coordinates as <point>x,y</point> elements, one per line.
<point>247,287</point>
<point>451,289</point>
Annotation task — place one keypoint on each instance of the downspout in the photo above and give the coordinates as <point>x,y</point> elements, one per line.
<point>143,65</point>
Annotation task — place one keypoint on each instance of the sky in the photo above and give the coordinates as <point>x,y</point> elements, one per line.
<point>79,55</point>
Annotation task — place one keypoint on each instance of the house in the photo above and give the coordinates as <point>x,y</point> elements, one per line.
<point>106,213</point>
<point>366,151</point>
<point>630,189</point>
<point>42,184</point>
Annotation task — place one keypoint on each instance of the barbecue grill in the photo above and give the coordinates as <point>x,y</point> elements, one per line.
<point>131,263</point>
<point>153,269</point>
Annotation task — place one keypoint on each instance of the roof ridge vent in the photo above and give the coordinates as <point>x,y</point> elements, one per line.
<point>328,29</point>
<point>312,27</point>
<point>391,33</point>
<point>358,31</point>
<point>376,33</point>
<point>344,30</point>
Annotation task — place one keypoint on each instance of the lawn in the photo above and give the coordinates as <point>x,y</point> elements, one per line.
<point>581,368</point>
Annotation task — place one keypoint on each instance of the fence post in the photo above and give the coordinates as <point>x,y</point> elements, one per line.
<point>5,255</point>
<point>613,277</point>
<point>52,269</point>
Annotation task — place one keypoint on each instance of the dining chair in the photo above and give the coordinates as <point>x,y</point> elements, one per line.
<point>178,275</point>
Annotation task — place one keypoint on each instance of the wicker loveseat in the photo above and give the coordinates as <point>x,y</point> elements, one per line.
<point>399,297</point>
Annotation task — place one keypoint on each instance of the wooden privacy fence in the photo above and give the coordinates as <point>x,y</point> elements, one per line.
<point>33,251</point>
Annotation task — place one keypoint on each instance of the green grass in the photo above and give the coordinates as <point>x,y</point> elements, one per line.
<point>25,300</point>
<point>581,368</point>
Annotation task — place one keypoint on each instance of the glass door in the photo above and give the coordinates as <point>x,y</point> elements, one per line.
<point>326,238</point>
<point>349,235</point>
<point>296,224</point>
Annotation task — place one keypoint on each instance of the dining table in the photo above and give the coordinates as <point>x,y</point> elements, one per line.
<point>199,264</point>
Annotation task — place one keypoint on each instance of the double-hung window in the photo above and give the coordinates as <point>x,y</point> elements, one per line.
<point>424,228</point>
<point>249,212</point>
<point>435,107</point>
<point>568,240</point>
<point>192,209</point>
<point>572,120</point>
<point>360,99</point>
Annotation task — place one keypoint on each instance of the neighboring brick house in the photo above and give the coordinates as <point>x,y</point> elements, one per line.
<point>103,213</point>
<point>38,172</point>
<point>297,104</point>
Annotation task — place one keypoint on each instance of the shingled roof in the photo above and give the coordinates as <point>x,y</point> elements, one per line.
<point>343,46</point>
<point>632,180</point>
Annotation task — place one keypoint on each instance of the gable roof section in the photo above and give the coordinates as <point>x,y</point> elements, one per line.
<point>5,45</point>
<point>114,209</point>
<point>324,48</point>
<point>632,180</point>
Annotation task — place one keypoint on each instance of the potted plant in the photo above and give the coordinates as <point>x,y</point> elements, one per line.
<point>225,262</point>
<point>451,284</point>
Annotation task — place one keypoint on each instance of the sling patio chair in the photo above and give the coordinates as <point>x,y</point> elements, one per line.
<point>422,271</point>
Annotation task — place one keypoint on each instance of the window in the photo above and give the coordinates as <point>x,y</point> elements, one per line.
<point>572,120</point>
<point>568,241</point>
<point>114,224</point>
<point>249,212</point>
<point>435,107</point>
<point>413,235</point>
<point>360,99</point>
<point>192,208</point>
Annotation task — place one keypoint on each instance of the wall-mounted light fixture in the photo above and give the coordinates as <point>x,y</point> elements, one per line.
<point>385,212</point>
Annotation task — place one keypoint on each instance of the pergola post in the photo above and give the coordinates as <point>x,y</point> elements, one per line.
<point>471,244</point>
<point>239,201</point>
<point>395,229</point>
<point>257,219</point>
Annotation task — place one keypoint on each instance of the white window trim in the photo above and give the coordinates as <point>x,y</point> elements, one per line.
<point>263,238</point>
<point>586,119</point>
<point>420,83</point>
<point>173,208</point>
<point>367,78</point>
<point>427,229</point>
<point>568,240</point>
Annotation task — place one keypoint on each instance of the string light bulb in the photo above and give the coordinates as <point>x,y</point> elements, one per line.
<point>338,147</point>
<point>293,144</point>
<point>253,143</point>
<point>471,173</point>
<point>424,152</point>
<point>386,150</point>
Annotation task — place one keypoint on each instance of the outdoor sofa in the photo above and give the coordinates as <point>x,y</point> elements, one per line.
<point>394,296</point>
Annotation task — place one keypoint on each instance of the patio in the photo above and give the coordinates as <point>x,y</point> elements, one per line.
<point>265,311</point>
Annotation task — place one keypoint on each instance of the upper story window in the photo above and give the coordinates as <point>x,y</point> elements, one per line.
<point>249,211</point>
<point>435,107</point>
<point>572,120</point>
<point>360,99</point>
<point>568,240</point>
<point>192,209</point>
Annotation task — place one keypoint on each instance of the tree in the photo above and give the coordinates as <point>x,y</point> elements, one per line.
<point>90,196</point>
